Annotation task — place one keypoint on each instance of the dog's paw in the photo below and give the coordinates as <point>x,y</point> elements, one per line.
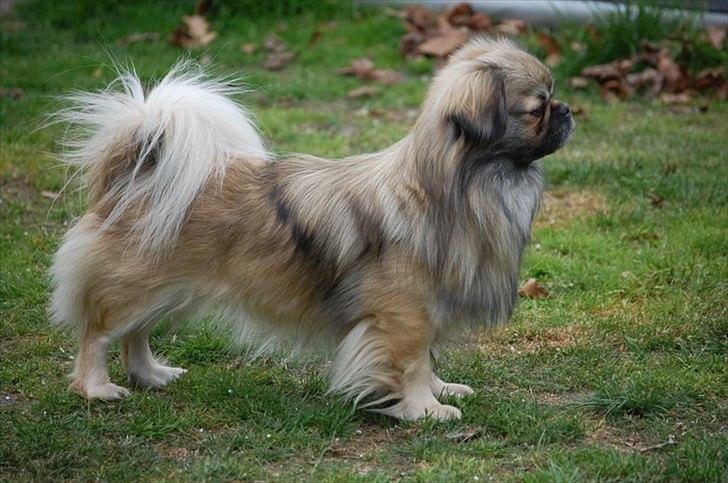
<point>412,412</point>
<point>105,392</point>
<point>457,390</point>
<point>155,377</point>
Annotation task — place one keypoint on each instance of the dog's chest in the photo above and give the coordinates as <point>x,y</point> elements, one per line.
<point>487,254</point>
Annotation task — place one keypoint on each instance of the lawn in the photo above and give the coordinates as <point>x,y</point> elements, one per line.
<point>622,373</point>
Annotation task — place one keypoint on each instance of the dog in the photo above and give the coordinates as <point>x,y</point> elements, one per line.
<point>384,256</point>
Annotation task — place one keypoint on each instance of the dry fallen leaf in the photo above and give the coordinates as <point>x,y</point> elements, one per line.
<point>13,93</point>
<point>193,34</point>
<point>533,290</point>
<point>364,69</point>
<point>387,76</point>
<point>464,435</point>
<point>648,77</point>
<point>278,60</point>
<point>610,70</point>
<point>551,47</point>
<point>511,27</point>
<point>716,36</point>
<point>419,19</point>
<point>359,67</point>
<point>49,194</point>
<point>142,37</point>
<point>315,37</point>
<point>656,200</point>
<point>273,43</point>
<point>248,48</point>
<point>444,44</point>
<point>363,91</point>
<point>463,15</point>
<point>578,82</point>
<point>680,98</point>
<point>712,79</point>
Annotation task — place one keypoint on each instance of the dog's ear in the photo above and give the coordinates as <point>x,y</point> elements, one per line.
<point>482,113</point>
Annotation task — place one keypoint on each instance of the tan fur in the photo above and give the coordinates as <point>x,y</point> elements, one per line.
<point>373,253</point>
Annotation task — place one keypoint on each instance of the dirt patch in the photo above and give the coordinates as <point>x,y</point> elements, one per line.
<point>362,449</point>
<point>559,207</point>
<point>561,399</point>
<point>607,436</point>
<point>527,341</point>
<point>17,189</point>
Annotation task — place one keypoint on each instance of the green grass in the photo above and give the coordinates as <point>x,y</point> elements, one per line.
<point>629,350</point>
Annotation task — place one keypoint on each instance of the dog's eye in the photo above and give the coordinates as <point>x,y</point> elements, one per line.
<point>537,112</point>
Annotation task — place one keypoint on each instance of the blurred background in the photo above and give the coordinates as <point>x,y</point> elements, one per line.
<point>613,367</point>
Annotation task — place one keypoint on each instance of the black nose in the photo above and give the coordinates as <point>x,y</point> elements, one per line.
<point>562,109</point>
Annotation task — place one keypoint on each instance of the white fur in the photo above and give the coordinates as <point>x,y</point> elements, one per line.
<point>189,123</point>
<point>69,276</point>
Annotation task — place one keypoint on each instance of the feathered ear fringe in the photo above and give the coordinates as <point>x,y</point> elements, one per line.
<point>157,148</point>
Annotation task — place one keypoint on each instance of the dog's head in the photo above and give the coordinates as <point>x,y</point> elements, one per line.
<point>492,94</point>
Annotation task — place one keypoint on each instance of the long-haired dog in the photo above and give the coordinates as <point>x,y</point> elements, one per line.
<point>386,255</point>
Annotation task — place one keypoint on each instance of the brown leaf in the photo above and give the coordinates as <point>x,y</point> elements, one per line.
<point>463,15</point>
<point>578,82</point>
<point>649,77</point>
<point>464,435</point>
<point>548,43</point>
<point>578,47</point>
<point>679,98</point>
<point>578,111</point>
<point>676,77</point>
<point>616,89</point>
<point>656,200</point>
<point>142,37</point>
<point>553,60</point>
<point>315,37</point>
<point>278,60</point>
<point>361,68</point>
<point>511,27</point>
<point>611,70</point>
<point>533,290</point>
<point>593,32</point>
<point>458,12</point>
<point>249,48</point>
<point>193,34</point>
<point>202,6</point>
<point>444,44</point>
<point>13,93</point>
<point>49,194</point>
<point>408,44</point>
<point>387,76</point>
<point>273,43</point>
<point>419,19</point>
<point>364,69</point>
<point>710,79</point>
<point>716,36</point>
<point>363,91</point>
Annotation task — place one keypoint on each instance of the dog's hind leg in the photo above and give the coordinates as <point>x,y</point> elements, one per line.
<point>441,388</point>
<point>143,368</point>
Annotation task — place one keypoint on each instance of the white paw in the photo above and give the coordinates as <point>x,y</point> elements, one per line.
<point>106,392</point>
<point>156,376</point>
<point>412,412</point>
<point>443,412</point>
<point>457,390</point>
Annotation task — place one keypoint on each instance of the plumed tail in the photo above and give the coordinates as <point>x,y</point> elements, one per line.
<point>157,149</point>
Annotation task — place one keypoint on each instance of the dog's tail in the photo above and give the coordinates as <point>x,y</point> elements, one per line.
<point>157,149</point>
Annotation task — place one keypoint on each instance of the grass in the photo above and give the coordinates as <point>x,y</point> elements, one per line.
<point>627,353</point>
